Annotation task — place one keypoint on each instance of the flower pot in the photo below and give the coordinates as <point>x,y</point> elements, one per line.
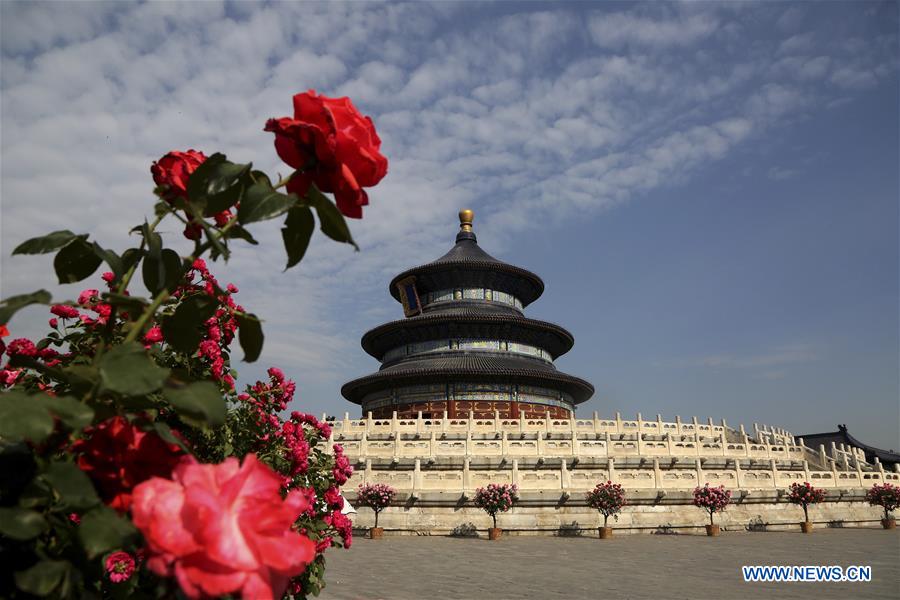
<point>889,523</point>
<point>806,526</point>
<point>376,533</point>
<point>494,533</point>
<point>712,530</point>
<point>605,533</point>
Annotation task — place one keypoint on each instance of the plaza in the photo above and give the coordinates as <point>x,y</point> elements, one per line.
<point>637,566</point>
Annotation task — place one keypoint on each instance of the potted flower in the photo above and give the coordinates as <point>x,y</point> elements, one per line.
<point>712,500</point>
<point>496,497</point>
<point>805,494</point>
<point>376,496</point>
<point>607,498</point>
<point>886,496</point>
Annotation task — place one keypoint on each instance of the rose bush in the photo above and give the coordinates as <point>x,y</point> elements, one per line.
<point>887,496</point>
<point>804,494</point>
<point>496,497</point>
<point>712,499</point>
<point>608,499</point>
<point>376,496</point>
<point>129,462</point>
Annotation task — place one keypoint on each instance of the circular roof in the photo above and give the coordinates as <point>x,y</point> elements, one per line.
<point>469,323</point>
<point>467,265</point>
<point>480,366</point>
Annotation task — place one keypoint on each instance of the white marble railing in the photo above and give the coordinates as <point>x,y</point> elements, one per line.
<point>573,480</point>
<point>566,444</point>
<point>595,425</point>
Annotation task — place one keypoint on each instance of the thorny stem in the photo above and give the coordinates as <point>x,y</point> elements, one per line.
<point>163,295</point>
<point>283,181</point>
<point>123,285</point>
<point>145,316</point>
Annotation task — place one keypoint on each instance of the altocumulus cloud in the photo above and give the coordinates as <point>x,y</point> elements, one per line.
<point>551,112</point>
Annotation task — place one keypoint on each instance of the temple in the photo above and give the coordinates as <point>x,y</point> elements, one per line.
<point>468,395</point>
<point>465,347</point>
<point>839,441</point>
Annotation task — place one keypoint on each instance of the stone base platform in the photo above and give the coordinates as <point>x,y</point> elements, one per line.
<point>441,515</point>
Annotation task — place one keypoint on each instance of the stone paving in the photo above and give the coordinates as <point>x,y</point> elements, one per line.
<point>662,567</point>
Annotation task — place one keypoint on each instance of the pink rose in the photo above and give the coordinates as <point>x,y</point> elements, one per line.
<point>88,296</point>
<point>21,346</point>
<point>223,529</point>
<point>66,312</point>
<point>119,566</point>
<point>153,336</point>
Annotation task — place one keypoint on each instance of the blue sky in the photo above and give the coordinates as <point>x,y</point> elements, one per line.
<point>710,191</point>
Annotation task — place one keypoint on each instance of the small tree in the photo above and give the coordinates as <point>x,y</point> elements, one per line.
<point>805,494</point>
<point>608,498</point>
<point>712,499</point>
<point>886,496</point>
<point>376,496</point>
<point>496,497</point>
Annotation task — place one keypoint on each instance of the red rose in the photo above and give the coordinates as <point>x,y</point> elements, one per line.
<point>173,170</point>
<point>117,456</point>
<point>332,145</point>
<point>223,529</point>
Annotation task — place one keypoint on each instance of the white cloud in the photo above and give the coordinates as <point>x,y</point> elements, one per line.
<point>854,77</point>
<point>778,356</point>
<point>529,118</point>
<point>619,29</point>
<point>780,173</point>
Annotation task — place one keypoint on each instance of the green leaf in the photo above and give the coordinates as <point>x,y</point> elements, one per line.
<point>46,243</point>
<point>73,486</point>
<point>184,329</point>
<point>102,530</point>
<point>153,268</point>
<point>70,411</point>
<point>152,239</point>
<point>43,578</point>
<point>200,402</point>
<point>162,271</point>
<point>130,258</point>
<point>218,248</point>
<point>331,221</point>
<point>165,432</point>
<point>111,258</point>
<point>133,305</point>
<point>216,184</point>
<point>23,417</point>
<point>21,524</point>
<point>76,261</point>
<point>296,233</point>
<point>238,232</point>
<point>128,370</point>
<point>81,378</point>
<point>261,202</point>
<point>250,335</point>
<point>13,304</point>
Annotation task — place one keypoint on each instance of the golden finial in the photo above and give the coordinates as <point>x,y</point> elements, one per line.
<point>465,220</point>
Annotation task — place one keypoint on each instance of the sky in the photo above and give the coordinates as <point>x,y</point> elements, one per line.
<point>709,190</point>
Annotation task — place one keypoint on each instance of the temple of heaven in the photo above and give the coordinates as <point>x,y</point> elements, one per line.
<point>465,347</point>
